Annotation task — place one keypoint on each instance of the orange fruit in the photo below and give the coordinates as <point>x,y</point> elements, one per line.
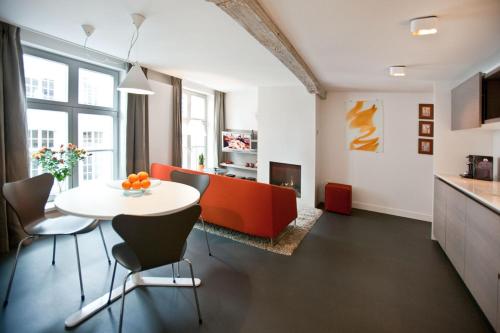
<point>136,185</point>
<point>143,175</point>
<point>133,178</point>
<point>145,183</point>
<point>126,185</point>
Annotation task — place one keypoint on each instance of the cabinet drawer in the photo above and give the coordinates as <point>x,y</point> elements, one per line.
<point>455,228</point>
<point>439,219</point>
<point>482,257</point>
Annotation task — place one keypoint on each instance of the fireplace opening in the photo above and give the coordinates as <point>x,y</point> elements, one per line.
<point>286,175</point>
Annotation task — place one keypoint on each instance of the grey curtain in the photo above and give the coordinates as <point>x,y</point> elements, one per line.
<point>137,151</point>
<point>177,122</point>
<point>13,133</point>
<point>220,124</point>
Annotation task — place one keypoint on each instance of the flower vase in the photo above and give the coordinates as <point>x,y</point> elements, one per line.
<point>59,188</point>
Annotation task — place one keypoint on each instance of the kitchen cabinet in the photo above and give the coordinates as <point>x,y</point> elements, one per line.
<point>466,104</point>
<point>439,221</point>
<point>470,233</point>
<point>455,228</point>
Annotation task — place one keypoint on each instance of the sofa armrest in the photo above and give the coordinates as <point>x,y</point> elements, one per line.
<point>284,206</point>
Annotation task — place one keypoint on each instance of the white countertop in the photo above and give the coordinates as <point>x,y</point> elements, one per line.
<point>485,192</point>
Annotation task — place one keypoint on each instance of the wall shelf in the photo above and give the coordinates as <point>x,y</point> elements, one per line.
<point>253,151</point>
<point>236,166</point>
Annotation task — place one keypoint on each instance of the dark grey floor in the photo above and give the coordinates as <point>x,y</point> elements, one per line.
<point>365,273</point>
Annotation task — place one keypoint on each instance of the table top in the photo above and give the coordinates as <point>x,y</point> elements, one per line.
<point>101,201</point>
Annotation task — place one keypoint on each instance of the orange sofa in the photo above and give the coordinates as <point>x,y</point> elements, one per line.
<point>246,206</point>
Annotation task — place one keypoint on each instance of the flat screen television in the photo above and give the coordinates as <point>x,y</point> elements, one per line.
<point>236,141</point>
<point>491,96</point>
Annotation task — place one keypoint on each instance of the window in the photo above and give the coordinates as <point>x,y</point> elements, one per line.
<point>72,101</point>
<point>194,128</point>
<point>95,88</point>
<point>46,79</point>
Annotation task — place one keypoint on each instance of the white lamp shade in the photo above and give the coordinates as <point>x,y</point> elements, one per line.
<point>421,26</point>
<point>136,82</point>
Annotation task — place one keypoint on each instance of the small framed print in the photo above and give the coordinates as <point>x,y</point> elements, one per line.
<point>426,128</point>
<point>426,111</point>
<point>425,146</point>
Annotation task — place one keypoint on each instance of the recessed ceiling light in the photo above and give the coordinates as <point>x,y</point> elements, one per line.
<point>426,25</point>
<point>397,70</point>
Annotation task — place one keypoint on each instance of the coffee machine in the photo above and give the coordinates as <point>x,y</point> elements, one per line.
<point>469,173</point>
<point>479,167</point>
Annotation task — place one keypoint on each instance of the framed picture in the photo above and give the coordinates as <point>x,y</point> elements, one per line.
<point>426,111</point>
<point>426,128</point>
<point>425,146</point>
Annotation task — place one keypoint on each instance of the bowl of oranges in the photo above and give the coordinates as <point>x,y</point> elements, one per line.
<point>137,184</point>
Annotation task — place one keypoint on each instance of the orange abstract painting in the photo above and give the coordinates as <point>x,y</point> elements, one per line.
<point>364,125</point>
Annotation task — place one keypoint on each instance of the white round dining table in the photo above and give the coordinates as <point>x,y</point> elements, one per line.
<point>103,201</point>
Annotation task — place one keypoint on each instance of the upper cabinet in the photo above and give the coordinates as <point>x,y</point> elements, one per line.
<point>476,101</point>
<point>466,104</point>
<point>491,97</point>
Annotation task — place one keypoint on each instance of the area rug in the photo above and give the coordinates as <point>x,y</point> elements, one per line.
<point>288,240</point>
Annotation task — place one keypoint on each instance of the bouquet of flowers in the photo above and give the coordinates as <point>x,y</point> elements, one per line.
<point>60,163</point>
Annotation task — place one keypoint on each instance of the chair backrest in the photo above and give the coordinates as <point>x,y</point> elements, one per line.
<point>199,182</point>
<point>157,240</point>
<point>28,197</point>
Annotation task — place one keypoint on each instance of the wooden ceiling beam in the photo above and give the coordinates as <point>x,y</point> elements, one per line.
<point>251,15</point>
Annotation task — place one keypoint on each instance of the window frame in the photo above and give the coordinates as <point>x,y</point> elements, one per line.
<point>73,108</point>
<point>190,93</point>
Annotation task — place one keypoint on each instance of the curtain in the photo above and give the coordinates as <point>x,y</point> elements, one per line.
<point>13,132</point>
<point>177,122</point>
<point>220,124</point>
<point>137,150</point>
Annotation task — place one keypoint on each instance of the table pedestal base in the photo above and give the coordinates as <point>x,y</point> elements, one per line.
<point>137,280</point>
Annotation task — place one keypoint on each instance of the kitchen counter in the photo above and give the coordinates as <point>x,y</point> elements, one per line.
<point>485,192</point>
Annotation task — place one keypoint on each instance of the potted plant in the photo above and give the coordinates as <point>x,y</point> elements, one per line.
<point>201,162</point>
<point>59,163</point>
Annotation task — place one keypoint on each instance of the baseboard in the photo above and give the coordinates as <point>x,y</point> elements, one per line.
<point>392,211</point>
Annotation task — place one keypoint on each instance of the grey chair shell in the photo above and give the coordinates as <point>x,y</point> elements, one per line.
<point>27,198</point>
<point>150,242</point>
<point>199,182</point>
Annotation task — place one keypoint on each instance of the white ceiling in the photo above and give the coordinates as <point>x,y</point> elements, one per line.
<point>348,43</point>
<point>191,39</point>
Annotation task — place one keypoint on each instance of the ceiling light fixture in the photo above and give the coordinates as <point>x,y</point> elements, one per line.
<point>426,25</point>
<point>397,70</point>
<point>135,82</point>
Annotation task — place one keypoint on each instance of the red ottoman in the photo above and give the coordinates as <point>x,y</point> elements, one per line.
<point>338,198</point>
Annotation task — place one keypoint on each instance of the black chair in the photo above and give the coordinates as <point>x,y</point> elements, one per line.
<point>28,198</point>
<point>150,242</point>
<point>199,182</point>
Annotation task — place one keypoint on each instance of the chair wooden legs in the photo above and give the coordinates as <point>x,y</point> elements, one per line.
<point>120,325</point>
<point>6,300</point>
<point>104,242</point>
<point>54,252</point>
<point>79,267</point>
<point>206,235</point>
<point>194,289</point>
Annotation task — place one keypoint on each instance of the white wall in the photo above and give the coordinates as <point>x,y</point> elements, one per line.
<point>287,127</point>
<point>160,122</point>
<point>241,109</point>
<point>397,181</point>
